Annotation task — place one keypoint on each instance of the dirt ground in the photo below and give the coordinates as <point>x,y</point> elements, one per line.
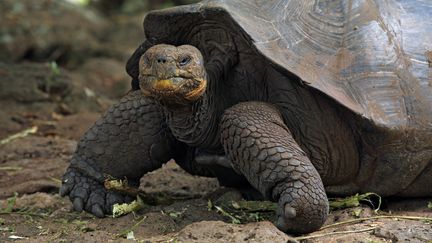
<point>53,86</point>
<point>31,167</point>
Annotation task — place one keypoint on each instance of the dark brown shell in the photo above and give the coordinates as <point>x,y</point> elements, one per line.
<point>373,57</point>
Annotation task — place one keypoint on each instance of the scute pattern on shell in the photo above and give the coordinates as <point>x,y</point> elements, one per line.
<point>370,56</point>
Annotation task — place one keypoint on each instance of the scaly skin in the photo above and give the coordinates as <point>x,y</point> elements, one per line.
<point>128,141</point>
<point>133,138</point>
<point>262,148</point>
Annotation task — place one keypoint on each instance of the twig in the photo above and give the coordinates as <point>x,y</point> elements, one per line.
<point>334,233</point>
<point>354,201</point>
<point>26,213</point>
<point>122,186</point>
<point>376,217</point>
<point>126,231</point>
<point>56,180</point>
<point>10,168</point>
<point>234,220</point>
<point>254,206</point>
<point>21,134</point>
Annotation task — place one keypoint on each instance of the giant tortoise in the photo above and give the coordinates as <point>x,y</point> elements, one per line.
<point>295,99</point>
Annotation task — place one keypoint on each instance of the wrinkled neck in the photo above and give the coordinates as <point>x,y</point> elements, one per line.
<point>196,124</point>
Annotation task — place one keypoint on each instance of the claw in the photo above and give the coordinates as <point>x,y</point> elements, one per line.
<point>97,211</point>
<point>290,212</point>
<point>64,190</point>
<point>284,215</point>
<point>89,195</point>
<point>78,204</point>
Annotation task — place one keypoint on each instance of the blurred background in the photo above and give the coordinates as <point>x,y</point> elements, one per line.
<point>62,64</point>
<point>59,58</point>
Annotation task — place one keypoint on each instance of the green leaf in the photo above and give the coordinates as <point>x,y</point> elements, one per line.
<point>6,229</point>
<point>55,70</point>
<point>125,232</point>
<point>254,206</point>
<point>125,208</point>
<point>356,212</point>
<point>234,220</point>
<point>209,205</point>
<point>79,222</point>
<point>354,201</point>
<point>10,204</point>
<point>130,235</point>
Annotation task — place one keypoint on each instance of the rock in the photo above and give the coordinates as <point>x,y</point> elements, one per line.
<point>107,77</point>
<point>35,91</point>
<point>125,34</point>
<point>29,83</point>
<point>48,30</point>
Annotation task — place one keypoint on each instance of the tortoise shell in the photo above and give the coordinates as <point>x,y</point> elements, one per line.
<point>373,57</point>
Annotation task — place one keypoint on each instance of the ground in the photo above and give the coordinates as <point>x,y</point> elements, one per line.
<point>52,90</point>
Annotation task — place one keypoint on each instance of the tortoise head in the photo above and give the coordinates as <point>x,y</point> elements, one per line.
<point>173,74</point>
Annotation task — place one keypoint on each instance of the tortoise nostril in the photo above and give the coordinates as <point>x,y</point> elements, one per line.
<point>161,59</point>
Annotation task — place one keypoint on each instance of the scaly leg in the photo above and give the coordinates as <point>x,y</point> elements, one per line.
<point>130,140</point>
<point>262,148</point>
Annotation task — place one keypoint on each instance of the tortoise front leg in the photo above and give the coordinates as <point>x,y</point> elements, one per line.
<point>262,148</point>
<point>130,140</point>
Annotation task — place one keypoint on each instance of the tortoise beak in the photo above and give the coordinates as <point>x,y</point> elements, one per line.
<point>164,84</point>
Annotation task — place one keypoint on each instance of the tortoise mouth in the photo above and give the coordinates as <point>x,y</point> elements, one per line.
<point>173,87</point>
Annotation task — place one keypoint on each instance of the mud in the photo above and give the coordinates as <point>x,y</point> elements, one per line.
<point>63,101</point>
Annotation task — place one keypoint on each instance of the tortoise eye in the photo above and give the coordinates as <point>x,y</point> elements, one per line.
<point>184,60</point>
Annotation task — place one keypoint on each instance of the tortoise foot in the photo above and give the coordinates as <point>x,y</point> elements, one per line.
<point>300,210</point>
<point>88,194</point>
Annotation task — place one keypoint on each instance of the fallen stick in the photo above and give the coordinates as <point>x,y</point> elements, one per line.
<point>25,213</point>
<point>10,168</point>
<point>334,233</point>
<point>126,231</point>
<point>122,187</point>
<point>376,217</point>
<point>21,134</point>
